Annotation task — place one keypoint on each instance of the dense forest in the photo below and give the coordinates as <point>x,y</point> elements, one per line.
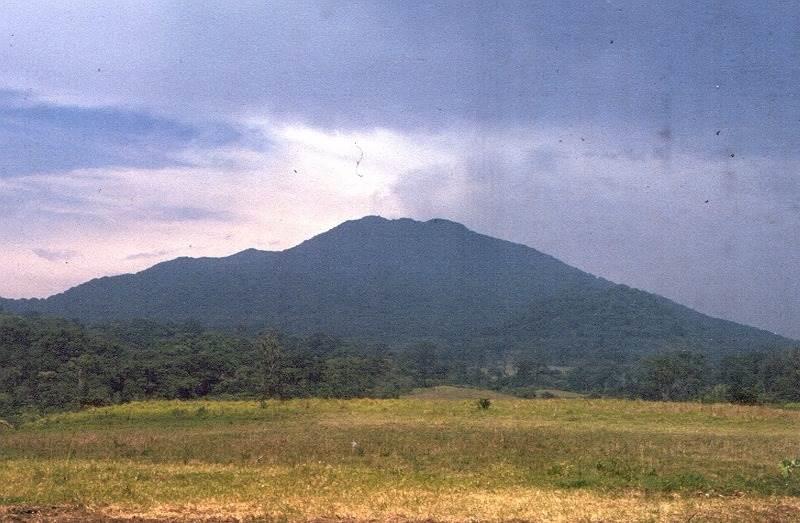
<point>49,364</point>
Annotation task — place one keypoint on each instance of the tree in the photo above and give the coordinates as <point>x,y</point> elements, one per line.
<point>674,376</point>
<point>528,371</point>
<point>352,376</point>
<point>270,355</point>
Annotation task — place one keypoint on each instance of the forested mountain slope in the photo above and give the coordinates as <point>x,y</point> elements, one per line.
<point>398,281</point>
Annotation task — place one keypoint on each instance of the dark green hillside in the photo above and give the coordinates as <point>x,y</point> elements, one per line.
<point>619,323</point>
<point>401,281</point>
<point>371,278</point>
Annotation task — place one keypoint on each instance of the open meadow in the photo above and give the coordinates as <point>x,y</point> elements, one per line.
<point>417,458</point>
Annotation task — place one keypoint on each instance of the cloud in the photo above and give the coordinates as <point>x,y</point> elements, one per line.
<point>693,68</point>
<point>188,214</point>
<point>42,137</point>
<point>54,255</point>
<point>149,255</point>
<point>226,200</point>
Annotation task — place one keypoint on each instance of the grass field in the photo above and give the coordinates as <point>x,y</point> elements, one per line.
<point>413,458</point>
<point>449,392</point>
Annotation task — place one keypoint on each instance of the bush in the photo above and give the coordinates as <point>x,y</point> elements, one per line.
<point>719,393</point>
<point>546,395</point>
<point>788,466</point>
<point>484,403</point>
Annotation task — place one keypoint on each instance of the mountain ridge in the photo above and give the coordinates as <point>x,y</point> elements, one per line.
<point>398,281</point>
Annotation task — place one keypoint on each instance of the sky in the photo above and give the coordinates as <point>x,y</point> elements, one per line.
<point>654,145</point>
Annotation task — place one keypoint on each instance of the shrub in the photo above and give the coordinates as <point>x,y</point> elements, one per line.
<point>719,393</point>
<point>484,403</point>
<point>788,466</point>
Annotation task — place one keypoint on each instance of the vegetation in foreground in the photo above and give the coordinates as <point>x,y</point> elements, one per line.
<point>554,459</point>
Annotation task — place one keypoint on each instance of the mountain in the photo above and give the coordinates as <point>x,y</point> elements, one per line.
<point>619,323</point>
<point>398,281</point>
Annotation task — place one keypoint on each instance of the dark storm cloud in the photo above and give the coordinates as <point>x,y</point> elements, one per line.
<point>681,66</point>
<point>40,138</point>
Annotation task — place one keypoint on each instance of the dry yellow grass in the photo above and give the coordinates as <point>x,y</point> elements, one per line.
<point>449,392</point>
<point>415,459</point>
<point>536,505</point>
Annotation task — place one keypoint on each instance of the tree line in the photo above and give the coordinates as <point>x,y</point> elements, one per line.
<point>49,364</point>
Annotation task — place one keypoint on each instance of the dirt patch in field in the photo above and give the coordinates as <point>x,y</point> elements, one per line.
<point>70,514</point>
<point>58,514</point>
<point>561,507</point>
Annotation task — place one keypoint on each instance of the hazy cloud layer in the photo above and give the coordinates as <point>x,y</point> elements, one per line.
<point>54,256</point>
<point>654,145</point>
<point>40,137</point>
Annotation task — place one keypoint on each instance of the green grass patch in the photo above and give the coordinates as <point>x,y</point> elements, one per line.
<point>151,453</point>
<point>449,392</point>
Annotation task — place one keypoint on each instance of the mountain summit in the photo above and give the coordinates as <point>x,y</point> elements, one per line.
<point>401,280</point>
